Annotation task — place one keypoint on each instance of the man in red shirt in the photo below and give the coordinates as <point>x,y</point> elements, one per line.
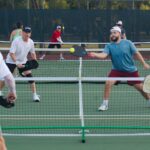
<point>56,41</point>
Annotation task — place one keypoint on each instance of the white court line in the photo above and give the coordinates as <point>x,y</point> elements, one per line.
<point>42,135</point>
<point>74,118</point>
<point>75,91</point>
<point>76,135</point>
<point>40,118</point>
<point>129,115</point>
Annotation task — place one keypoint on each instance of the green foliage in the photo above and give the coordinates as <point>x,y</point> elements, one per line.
<point>145,5</point>
<point>20,4</point>
<point>76,4</point>
<point>61,4</point>
<point>5,4</point>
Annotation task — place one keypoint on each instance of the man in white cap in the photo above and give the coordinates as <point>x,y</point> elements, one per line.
<point>123,32</point>
<point>121,52</point>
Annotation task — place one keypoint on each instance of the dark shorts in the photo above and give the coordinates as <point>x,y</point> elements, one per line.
<point>116,73</point>
<point>11,67</point>
<point>54,45</point>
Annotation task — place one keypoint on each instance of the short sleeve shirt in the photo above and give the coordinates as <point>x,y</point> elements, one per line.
<point>122,55</point>
<point>21,49</point>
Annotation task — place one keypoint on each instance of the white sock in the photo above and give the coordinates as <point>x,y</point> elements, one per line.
<point>61,55</point>
<point>1,93</point>
<point>34,94</point>
<point>105,102</point>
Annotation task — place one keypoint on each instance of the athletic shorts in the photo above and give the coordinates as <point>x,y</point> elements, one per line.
<point>116,73</point>
<point>54,45</point>
<point>11,67</point>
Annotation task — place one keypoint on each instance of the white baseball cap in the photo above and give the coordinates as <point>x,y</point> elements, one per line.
<point>115,28</point>
<point>58,27</point>
<point>119,23</point>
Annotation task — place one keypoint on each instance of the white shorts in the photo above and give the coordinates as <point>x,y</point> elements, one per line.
<point>4,71</point>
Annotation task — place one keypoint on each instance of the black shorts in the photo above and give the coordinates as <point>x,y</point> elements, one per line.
<point>54,45</point>
<point>11,67</point>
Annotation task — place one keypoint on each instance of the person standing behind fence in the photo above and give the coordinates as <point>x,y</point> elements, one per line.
<point>17,32</point>
<point>123,32</point>
<point>56,41</point>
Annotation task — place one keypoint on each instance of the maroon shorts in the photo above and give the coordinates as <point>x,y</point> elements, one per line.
<point>116,73</point>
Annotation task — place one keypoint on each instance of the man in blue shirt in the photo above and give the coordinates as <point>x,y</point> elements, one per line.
<point>121,52</point>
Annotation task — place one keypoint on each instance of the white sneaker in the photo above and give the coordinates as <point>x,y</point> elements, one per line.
<point>36,98</point>
<point>42,57</point>
<point>61,58</point>
<point>1,93</point>
<point>103,107</point>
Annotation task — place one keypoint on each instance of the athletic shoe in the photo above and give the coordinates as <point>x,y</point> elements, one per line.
<point>1,93</point>
<point>42,57</point>
<point>61,58</point>
<point>103,107</point>
<point>36,98</point>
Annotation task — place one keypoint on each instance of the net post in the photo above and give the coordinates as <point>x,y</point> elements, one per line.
<point>81,112</point>
<point>83,135</point>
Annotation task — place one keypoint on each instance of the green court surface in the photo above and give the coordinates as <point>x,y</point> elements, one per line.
<point>61,143</point>
<point>59,106</point>
<point>59,112</point>
<point>70,68</point>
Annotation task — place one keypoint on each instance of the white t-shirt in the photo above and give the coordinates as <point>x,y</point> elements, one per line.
<point>4,71</point>
<point>21,49</point>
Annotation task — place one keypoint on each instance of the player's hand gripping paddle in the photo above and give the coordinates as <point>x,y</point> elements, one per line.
<point>31,64</point>
<point>6,103</point>
<point>146,85</point>
<point>78,51</point>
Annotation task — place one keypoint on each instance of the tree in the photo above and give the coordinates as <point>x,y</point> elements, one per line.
<point>76,4</point>
<point>144,5</point>
<point>58,4</point>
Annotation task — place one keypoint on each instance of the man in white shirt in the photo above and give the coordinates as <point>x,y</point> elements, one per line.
<point>6,75</point>
<point>17,57</point>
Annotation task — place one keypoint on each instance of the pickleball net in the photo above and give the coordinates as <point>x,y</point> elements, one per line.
<point>71,92</point>
<point>63,111</point>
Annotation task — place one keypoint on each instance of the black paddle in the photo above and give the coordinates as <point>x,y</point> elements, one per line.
<point>5,103</point>
<point>78,51</point>
<point>31,64</point>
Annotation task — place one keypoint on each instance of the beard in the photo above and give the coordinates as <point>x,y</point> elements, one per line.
<point>114,39</point>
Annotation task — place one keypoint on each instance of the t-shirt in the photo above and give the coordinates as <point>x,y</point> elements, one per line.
<point>4,71</point>
<point>122,55</point>
<point>21,49</point>
<point>56,34</point>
